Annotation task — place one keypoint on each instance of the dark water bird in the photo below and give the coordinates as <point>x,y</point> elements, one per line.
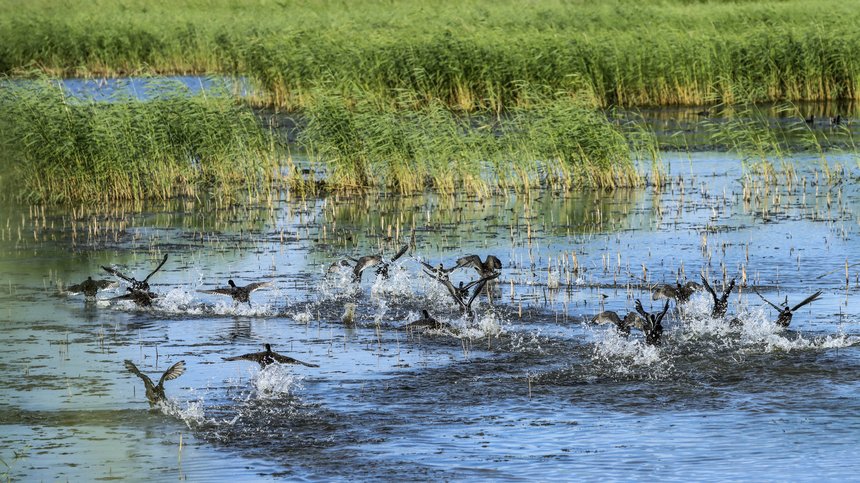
<point>632,319</point>
<point>810,119</point>
<point>485,269</point>
<point>426,322</point>
<point>336,266</point>
<point>704,113</point>
<point>239,294</point>
<point>721,303</point>
<point>680,293</point>
<point>478,286</point>
<point>836,120</point>
<point>439,271</point>
<point>137,285</point>
<point>786,312</point>
<point>268,357</point>
<point>141,298</point>
<point>368,261</point>
<point>652,324</point>
<point>155,392</point>
<point>90,287</point>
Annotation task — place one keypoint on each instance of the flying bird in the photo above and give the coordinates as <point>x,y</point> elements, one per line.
<point>137,285</point>
<point>786,312</point>
<point>90,287</point>
<point>721,303</point>
<point>239,294</point>
<point>155,392</point>
<point>268,357</point>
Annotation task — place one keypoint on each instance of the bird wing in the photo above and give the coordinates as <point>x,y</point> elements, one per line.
<point>664,292</point>
<point>606,317</point>
<point>163,261</point>
<point>103,284</point>
<point>708,288</point>
<point>219,291</point>
<point>134,370</point>
<point>364,263</point>
<point>117,273</point>
<point>172,372</point>
<point>778,308</point>
<point>76,288</point>
<point>400,253</point>
<point>632,319</point>
<point>469,261</point>
<point>253,356</point>
<point>663,312</point>
<point>289,360</point>
<point>810,299</point>
<point>728,290</point>
<point>691,285</point>
<point>479,287</point>
<point>641,309</point>
<point>127,296</point>
<point>254,286</point>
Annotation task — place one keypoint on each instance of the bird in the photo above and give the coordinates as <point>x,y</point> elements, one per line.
<point>456,294</point>
<point>138,285</point>
<point>426,322</point>
<point>141,298</point>
<point>90,287</point>
<point>680,293</point>
<point>239,294</point>
<point>484,269</point>
<point>652,324</point>
<point>368,261</point>
<point>810,119</point>
<point>786,312</point>
<point>155,393</point>
<point>439,270</point>
<point>268,357</point>
<point>836,120</point>
<point>632,319</point>
<point>721,304</point>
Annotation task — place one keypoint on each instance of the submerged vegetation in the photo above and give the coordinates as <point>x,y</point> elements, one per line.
<point>467,55</point>
<point>58,148</point>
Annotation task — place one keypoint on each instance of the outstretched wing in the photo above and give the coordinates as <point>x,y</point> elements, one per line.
<point>400,253</point>
<point>134,370</point>
<point>253,356</point>
<point>641,309</point>
<point>172,372</point>
<point>606,317</point>
<point>218,291</point>
<point>709,289</point>
<point>778,308</point>
<point>810,299</point>
<point>254,286</point>
<point>663,313</point>
<point>664,292</point>
<point>728,290</point>
<point>126,296</point>
<point>163,261</point>
<point>289,360</point>
<point>117,273</point>
<point>103,284</point>
<point>469,261</point>
<point>479,287</point>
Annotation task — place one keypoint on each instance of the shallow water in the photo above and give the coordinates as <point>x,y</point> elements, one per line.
<point>524,390</point>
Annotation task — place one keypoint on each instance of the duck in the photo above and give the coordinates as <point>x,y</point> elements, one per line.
<point>721,303</point>
<point>138,285</point>
<point>486,268</point>
<point>810,119</point>
<point>622,326</point>
<point>155,392</point>
<point>90,287</point>
<point>457,295</point>
<point>680,293</point>
<point>786,312</point>
<point>426,322</point>
<point>836,120</point>
<point>268,357</point>
<point>239,294</point>
<point>652,324</point>
<point>141,298</point>
<point>368,261</point>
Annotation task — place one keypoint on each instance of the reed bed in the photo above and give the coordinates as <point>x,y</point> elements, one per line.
<point>57,148</point>
<point>560,144</point>
<point>467,55</point>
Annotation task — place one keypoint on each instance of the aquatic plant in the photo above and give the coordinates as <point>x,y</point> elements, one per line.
<point>558,143</point>
<point>58,148</point>
<point>467,55</point>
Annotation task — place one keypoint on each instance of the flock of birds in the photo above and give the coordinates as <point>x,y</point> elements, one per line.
<point>464,294</point>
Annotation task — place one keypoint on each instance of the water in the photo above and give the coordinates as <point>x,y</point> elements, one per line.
<point>526,390</point>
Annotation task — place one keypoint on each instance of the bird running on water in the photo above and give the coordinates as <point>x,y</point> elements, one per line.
<point>239,294</point>
<point>721,303</point>
<point>155,392</point>
<point>680,293</point>
<point>90,287</point>
<point>268,357</point>
<point>786,312</point>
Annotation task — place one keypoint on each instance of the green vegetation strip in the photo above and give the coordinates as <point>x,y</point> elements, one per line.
<point>468,55</point>
<point>56,148</point>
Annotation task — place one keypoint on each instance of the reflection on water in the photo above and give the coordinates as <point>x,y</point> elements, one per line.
<point>525,387</point>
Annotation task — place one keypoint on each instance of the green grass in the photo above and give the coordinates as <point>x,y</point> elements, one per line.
<point>60,149</point>
<point>467,55</point>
